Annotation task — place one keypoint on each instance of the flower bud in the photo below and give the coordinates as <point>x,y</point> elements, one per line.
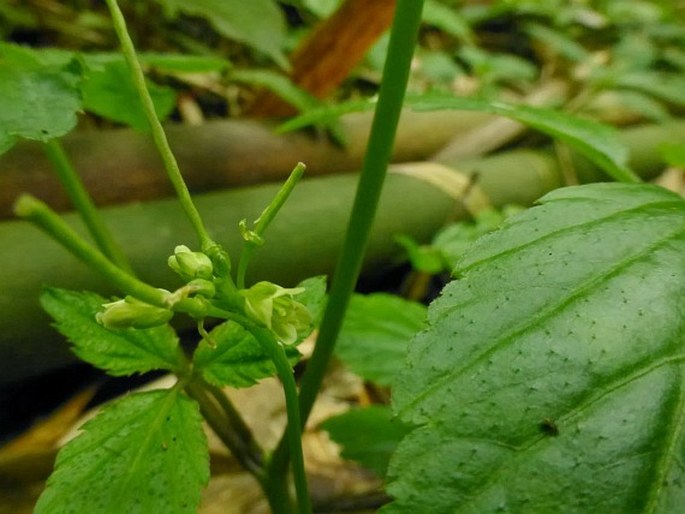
<point>274,307</point>
<point>190,265</point>
<point>130,312</point>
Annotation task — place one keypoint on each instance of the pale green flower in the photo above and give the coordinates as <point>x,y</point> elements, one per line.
<point>130,312</point>
<point>274,307</point>
<point>190,265</point>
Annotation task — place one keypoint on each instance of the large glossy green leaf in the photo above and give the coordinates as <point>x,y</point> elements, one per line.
<point>144,453</point>
<point>119,352</point>
<point>374,336</point>
<point>551,378</point>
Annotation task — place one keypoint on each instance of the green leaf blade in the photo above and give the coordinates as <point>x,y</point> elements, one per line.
<point>236,359</point>
<point>552,375</point>
<point>368,435</point>
<point>375,333</point>
<point>119,352</point>
<point>143,453</point>
<point>38,103</point>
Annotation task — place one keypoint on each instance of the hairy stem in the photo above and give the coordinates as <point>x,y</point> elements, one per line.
<point>83,203</point>
<point>158,134</point>
<point>395,76</point>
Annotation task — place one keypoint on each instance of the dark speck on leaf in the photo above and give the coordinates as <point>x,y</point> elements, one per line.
<point>549,427</point>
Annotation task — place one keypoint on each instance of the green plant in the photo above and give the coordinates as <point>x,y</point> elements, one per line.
<point>548,377</point>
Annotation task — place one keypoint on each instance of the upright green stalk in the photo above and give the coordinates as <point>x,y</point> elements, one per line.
<point>83,203</point>
<point>395,77</point>
<point>158,134</point>
<point>253,239</point>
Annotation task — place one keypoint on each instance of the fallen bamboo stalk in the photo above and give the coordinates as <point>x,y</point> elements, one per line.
<point>303,241</point>
<point>122,165</point>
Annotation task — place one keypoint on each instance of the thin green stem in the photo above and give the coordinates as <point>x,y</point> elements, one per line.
<point>395,76</point>
<point>158,134</point>
<point>83,203</point>
<point>293,432</point>
<point>267,216</point>
<point>224,428</point>
<point>237,424</point>
<point>50,222</point>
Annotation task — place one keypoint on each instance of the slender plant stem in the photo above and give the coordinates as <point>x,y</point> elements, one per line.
<point>395,76</point>
<point>49,221</point>
<point>293,432</point>
<point>158,134</point>
<point>84,204</point>
<point>237,423</point>
<point>224,428</point>
<point>265,219</point>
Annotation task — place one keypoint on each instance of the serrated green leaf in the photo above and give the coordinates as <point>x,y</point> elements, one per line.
<point>258,23</point>
<point>551,377</point>
<point>144,453</point>
<point>119,352</point>
<point>374,335</point>
<point>368,436</point>
<point>36,102</point>
<point>236,359</point>
<point>108,91</point>
<point>314,295</point>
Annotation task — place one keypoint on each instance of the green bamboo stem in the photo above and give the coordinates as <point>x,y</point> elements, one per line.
<point>83,203</point>
<point>158,134</point>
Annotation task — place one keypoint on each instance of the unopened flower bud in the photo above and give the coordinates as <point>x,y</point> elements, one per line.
<point>132,313</point>
<point>190,265</point>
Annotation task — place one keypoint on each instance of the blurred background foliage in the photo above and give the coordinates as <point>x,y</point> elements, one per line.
<point>625,58</point>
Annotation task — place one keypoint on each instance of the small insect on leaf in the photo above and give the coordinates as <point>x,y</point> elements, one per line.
<point>548,426</point>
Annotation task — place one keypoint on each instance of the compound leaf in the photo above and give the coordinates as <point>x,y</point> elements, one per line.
<point>145,452</point>
<point>551,377</point>
<point>119,352</point>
